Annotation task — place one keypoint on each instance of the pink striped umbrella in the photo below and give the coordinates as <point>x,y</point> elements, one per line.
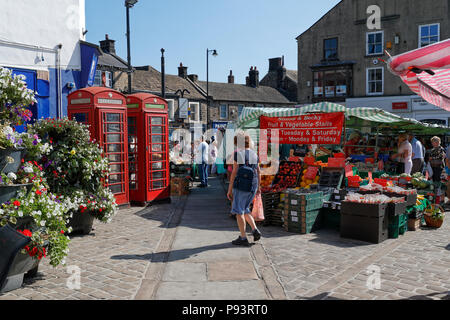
<point>427,72</point>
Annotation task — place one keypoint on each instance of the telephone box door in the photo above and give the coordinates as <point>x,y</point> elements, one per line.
<point>157,155</point>
<point>114,141</point>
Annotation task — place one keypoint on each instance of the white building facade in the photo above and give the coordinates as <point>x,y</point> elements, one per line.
<point>43,41</point>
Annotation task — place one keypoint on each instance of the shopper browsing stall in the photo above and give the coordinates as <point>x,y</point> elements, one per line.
<point>437,158</point>
<point>417,154</point>
<point>404,152</point>
<point>350,146</point>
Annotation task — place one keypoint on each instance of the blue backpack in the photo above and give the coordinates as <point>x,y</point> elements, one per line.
<point>246,179</point>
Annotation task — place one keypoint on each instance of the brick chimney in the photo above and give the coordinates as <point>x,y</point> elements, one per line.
<point>231,77</point>
<point>108,45</point>
<point>253,78</point>
<point>182,71</point>
<point>193,77</point>
<point>275,64</point>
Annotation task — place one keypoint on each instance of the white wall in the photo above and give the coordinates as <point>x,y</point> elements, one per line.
<point>415,110</point>
<point>42,23</point>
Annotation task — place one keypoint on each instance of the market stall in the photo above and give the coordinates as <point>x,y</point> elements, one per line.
<point>328,188</point>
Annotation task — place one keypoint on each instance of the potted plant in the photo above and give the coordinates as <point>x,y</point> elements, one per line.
<point>76,169</point>
<point>15,99</point>
<point>40,215</point>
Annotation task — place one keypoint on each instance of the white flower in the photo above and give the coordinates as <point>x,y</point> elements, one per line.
<point>28,169</point>
<point>12,176</point>
<point>42,223</point>
<point>20,213</point>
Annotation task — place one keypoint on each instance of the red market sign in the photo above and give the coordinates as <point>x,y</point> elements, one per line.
<point>318,128</point>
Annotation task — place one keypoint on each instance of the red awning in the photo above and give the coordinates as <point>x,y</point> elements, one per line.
<point>427,72</point>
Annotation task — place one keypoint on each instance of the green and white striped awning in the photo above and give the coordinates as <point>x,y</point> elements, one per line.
<point>355,117</point>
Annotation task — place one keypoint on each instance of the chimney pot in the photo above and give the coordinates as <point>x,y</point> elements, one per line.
<point>182,71</point>
<point>231,77</point>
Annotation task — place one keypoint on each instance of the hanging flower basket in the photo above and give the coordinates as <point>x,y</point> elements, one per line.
<point>81,222</point>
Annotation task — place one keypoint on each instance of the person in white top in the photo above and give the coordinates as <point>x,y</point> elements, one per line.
<point>202,159</point>
<point>213,156</point>
<point>405,152</point>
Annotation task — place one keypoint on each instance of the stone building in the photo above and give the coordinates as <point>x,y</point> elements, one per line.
<point>282,79</point>
<point>225,103</point>
<point>338,57</point>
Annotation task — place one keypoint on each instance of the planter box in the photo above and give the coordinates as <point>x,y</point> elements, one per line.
<point>81,222</point>
<point>8,192</point>
<point>363,209</point>
<point>16,154</point>
<point>364,228</point>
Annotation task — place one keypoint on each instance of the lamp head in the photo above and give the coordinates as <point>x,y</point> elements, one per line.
<point>130,3</point>
<point>215,54</point>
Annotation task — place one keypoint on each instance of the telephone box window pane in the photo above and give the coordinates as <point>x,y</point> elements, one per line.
<point>157,148</point>
<point>115,178</point>
<point>115,168</point>
<point>156,139</point>
<point>158,175</point>
<point>114,158</point>
<point>116,188</point>
<point>157,130</point>
<point>133,185</point>
<point>132,166</point>
<point>158,184</point>
<point>157,156</point>
<point>113,117</point>
<point>114,148</point>
<point>113,137</point>
<point>113,127</point>
<point>81,117</point>
<point>157,165</point>
<point>157,121</point>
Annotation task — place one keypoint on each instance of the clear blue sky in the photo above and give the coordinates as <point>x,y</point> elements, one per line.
<point>244,32</point>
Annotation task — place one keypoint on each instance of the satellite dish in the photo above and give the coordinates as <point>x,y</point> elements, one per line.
<point>375,61</point>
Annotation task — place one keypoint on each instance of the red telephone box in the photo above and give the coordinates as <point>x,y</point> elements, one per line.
<point>105,111</point>
<point>148,148</point>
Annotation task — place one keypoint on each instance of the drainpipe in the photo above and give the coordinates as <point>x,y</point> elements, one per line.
<point>58,82</point>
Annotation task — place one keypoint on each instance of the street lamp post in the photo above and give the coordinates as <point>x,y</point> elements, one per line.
<point>129,4</point>
<point>215,54</point>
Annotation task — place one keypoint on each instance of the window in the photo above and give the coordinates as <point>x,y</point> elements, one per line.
<point>374,42</point>
<point>332,83</point>
<point>98,78</point>
<point>223,111</point>
<point>375,81</point>
<point>428,34</point>
<point>98,81</point>
<point>194,111</point>
<point>240,108</point>
<point>171,109</point>
<point>330,49</point>
<point>108,76</point>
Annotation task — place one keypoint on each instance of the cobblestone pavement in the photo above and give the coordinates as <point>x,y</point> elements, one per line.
<point>113,258</point>
<point>323,265</point>
<point>143,253</point>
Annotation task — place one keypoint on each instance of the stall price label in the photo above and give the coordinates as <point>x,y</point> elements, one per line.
<point>311,173</point>
<point>320,128</point>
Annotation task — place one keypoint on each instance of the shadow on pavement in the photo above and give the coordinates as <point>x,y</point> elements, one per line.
<point>428,296</point>
<point>174,255</point>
